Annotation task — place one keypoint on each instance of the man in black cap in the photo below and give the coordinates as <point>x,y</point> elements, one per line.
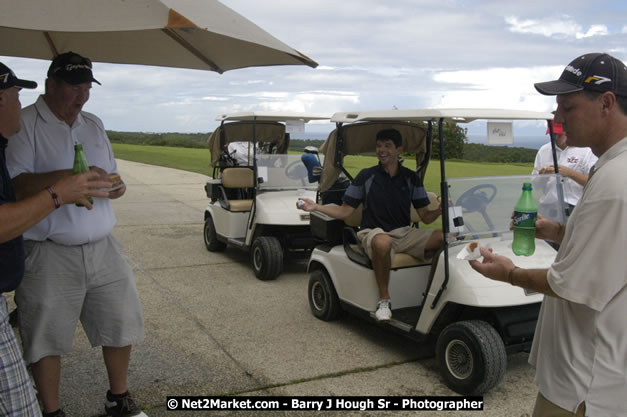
<point>75,269</point>
<point>18,397</point>
<point>580,345</point>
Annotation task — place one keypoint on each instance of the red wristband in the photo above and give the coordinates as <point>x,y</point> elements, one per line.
<point>54,196</point>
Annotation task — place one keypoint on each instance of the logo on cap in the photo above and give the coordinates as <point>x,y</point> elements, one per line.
<point>598,80</point>
<point>573,70</point>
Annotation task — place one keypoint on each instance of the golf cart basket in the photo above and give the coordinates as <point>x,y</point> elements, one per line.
<point>359,138</point>
<point>270,135</point>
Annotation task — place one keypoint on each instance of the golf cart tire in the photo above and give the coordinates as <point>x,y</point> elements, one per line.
<point>211,238</point>
<point>323,299</point>
<point>471,357</point>
<point>266,257</point>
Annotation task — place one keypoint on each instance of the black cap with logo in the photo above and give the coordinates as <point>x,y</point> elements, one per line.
<point>8,79</point>
<point>72,68</point>
<point>591,72</point>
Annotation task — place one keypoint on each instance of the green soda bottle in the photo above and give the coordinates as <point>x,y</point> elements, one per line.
<point>80,165</point>
<point>525,214</point>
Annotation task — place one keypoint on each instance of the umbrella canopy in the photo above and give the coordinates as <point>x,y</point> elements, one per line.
<point>196,34</point>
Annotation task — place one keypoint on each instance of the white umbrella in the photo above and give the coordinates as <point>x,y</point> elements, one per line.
<point>197,34</point>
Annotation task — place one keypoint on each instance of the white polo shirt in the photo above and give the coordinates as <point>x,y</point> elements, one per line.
<point>46,144</point>
<point>577,159</point>
<point>580,346</point>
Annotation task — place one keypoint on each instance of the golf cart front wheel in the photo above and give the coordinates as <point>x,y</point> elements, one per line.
<point>267,257</point>
<point>211,239</point>
<point>323,299</point>
<point>471,357</point>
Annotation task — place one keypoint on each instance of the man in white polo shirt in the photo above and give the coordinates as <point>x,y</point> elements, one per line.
<point>74,267</point>
<point>580,345</point>
<point>574,165</point>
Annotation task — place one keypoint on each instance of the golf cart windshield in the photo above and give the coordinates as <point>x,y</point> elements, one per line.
<point>284,172</point>
<point>484,205</point>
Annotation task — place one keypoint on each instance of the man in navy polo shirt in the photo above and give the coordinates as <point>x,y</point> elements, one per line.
<point>18,397</point>
<point>387,191</point>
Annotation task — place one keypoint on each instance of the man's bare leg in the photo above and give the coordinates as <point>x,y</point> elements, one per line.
<point>381,247</point>
<point>47,375</point>
<point>116,360</point>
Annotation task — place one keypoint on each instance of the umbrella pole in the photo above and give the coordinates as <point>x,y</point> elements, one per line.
<point>51,44</point>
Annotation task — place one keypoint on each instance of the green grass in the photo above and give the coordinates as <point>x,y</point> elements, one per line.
<point>197,160</point>
<point>187,159</point>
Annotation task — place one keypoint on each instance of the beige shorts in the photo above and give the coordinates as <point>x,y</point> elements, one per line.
<point>409,240</point>
<point>64,284</point>
<point>545,408</point>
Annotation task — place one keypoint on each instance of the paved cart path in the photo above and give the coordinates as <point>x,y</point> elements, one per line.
<point>212,328</point>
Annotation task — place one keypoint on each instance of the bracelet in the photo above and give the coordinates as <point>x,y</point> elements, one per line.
<point>54,196</point>
<point>510,276</point>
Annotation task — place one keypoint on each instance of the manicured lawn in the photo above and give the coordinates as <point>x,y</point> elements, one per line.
<point>197,160</point>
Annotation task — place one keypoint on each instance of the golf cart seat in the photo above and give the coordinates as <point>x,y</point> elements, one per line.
<point>355,252</point>
<point>241,179</point>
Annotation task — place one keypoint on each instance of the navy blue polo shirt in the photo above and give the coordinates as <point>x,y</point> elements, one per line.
<point>386,199</point>
<point>11,252</point>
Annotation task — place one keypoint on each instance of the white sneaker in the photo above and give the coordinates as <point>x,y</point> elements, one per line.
<point>384,310</point>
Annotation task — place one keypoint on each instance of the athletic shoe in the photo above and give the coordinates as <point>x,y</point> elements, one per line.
<point>384,310</point>
<point>122,405</point>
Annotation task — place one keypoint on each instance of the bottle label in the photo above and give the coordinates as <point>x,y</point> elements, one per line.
<point>525,219</point>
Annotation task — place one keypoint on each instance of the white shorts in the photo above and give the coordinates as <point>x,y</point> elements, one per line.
<point>62,284</point>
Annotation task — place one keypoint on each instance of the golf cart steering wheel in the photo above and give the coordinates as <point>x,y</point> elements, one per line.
<point>296,170</point>
<point>477,200</point>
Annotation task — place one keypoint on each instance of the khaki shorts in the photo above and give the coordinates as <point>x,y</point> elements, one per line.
<point>62,284</point>
<point>545,408</point>
<point>409,240</point>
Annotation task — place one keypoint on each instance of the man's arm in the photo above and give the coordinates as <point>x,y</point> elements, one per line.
<point>27,185</point>
<point>500,268</point>
<point>429,216</point>
<point>21,216</point>
<point>337,212</point>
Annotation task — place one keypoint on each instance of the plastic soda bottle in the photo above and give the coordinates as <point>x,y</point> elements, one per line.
<point>525,214</point>
<point>80,165</point>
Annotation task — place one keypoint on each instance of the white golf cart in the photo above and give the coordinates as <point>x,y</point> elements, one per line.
<point>254,186</point>
<point>472,320</point>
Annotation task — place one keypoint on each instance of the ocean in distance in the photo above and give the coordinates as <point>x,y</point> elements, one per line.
<point>532,142</point>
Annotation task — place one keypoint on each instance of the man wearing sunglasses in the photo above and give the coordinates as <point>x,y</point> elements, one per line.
<point>75,269</point>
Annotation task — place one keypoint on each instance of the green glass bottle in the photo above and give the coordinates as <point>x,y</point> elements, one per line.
<point>525,214</point>
<point>80,165</point>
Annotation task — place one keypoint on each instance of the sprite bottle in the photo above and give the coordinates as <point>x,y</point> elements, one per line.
<point>80,165</point>
<point>525,214</point>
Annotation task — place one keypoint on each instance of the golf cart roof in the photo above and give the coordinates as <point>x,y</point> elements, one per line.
<point>449,115</point>
<point>272,116</point>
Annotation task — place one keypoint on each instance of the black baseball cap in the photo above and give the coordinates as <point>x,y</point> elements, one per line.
<point>591,72</point>
<point>8,79</point>
<point>72,68</point>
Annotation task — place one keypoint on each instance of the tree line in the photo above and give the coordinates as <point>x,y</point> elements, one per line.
<point>456,144</point>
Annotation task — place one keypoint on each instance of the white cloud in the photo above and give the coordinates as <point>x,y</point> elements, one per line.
<point>565,27</point>
<point>495,87</point>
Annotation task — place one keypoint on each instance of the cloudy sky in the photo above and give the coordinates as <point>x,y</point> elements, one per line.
<point>373,55</point>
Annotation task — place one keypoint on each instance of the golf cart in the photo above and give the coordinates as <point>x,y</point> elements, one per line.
<point>473,321</point>
<point>254,188</point>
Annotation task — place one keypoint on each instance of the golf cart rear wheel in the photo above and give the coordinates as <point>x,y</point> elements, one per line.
<point>211,239</point>
<point>323,299</point>
<point>471,356</point>
<point>267,257</point>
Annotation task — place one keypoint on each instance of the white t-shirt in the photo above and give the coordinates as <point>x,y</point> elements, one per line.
<point>580,345</point>
<point>577,159</point>
<point>46,144</point>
